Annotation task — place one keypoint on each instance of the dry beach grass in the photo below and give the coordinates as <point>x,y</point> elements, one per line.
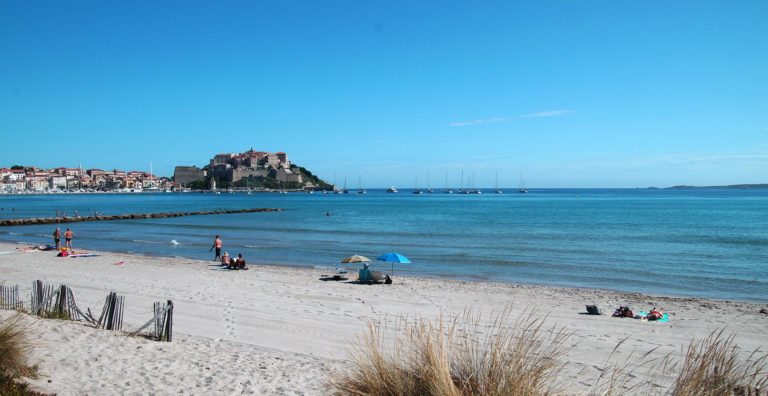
<point>463,356</point>
<point>15,346</point>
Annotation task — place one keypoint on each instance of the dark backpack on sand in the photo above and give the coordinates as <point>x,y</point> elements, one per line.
<point>593,310</point>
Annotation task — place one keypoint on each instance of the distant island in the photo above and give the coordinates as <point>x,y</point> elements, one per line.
<point>729,187</point>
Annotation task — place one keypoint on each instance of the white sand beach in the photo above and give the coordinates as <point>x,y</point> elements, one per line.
<point>278,330</point>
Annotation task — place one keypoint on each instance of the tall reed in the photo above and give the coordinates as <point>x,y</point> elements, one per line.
<point>465,355</point>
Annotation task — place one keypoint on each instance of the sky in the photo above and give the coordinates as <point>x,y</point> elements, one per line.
<point>404,93</point>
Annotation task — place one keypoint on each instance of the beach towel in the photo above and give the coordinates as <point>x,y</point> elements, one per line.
<point>664,319</point>
<point>83,255</point>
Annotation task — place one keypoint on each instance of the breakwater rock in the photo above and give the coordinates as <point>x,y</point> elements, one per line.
<point>57,220</point>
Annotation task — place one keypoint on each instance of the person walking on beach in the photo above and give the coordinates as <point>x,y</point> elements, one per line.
<point>57,237</point>
<point>68,234</point>
<point>217,245</point>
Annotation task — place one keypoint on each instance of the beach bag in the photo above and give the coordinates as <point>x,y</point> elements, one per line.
<point>593,310</point>
<point>623,312</point>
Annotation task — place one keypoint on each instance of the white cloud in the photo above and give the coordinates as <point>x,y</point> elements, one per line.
<point>550,113</point>
<point>713,158</point>
<point>495,120</point>
<point>478,122</point>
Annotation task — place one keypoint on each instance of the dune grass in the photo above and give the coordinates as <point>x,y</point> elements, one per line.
<point>716,366</point>
<point>466,355</point>
<point>15,345</point>
<point>713,366</point>
<point>12,387</point>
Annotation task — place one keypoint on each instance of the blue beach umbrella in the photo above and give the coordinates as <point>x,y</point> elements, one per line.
<point>394,258</point>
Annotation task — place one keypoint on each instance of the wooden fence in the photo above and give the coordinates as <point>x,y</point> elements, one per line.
<point>163,321</point>
<point>51,302</point>
<point>9,298</point>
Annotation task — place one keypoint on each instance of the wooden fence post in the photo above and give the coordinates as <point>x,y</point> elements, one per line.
<point>9,297</point>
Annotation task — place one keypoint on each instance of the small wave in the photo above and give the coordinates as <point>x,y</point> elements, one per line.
<point>143,241</point>
<point>174,242</point>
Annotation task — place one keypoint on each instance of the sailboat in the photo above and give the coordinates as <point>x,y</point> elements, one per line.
<point>474,190</point>
<point>429,189</point>
<point>344,190</point>
<point>461,184</point>
<point>445,187</point>
<point>416,189</point>
<point>360,189</point>
<point>496,189</point>
<point>522,189</point>
<point>152,187</point>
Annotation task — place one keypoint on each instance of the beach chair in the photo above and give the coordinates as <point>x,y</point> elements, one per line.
<point>367,276</point>
<point>377,276</point>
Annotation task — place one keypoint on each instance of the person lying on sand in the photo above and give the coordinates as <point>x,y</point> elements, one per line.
<point>655,314</point>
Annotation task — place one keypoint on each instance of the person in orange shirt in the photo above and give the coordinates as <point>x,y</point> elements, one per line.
<point>217,245</point>
<point>68,234</point>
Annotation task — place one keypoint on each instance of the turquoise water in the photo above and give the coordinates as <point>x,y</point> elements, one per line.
<point>701,243</point>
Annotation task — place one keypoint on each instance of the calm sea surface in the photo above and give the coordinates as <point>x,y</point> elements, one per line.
<point>705,243</point>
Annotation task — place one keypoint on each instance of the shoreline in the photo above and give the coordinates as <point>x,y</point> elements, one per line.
<point>289,322</point>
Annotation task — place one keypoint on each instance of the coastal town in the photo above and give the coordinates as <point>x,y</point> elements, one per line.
<point>250,170</point>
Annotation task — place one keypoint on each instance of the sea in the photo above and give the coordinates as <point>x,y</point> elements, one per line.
<point>710,243</point>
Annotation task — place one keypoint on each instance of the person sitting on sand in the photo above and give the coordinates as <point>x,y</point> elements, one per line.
<point>364,275</point>
<point>238,263</point>
<point>225,259</point>
<point>623,312</point>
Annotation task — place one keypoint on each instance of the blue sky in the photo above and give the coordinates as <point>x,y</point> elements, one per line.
<point>566,93</point>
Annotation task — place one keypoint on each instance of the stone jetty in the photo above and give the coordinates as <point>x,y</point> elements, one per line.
<point>57,220</point>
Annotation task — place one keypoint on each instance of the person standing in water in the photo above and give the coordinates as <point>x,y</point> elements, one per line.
<point>57,237</point>
<point>217,245</point>
<point>68,234</point>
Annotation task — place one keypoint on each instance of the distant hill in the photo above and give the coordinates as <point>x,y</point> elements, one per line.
<point>731,187</point>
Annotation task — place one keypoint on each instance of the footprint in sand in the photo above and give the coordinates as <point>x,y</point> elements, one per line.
<point>229,318</point>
